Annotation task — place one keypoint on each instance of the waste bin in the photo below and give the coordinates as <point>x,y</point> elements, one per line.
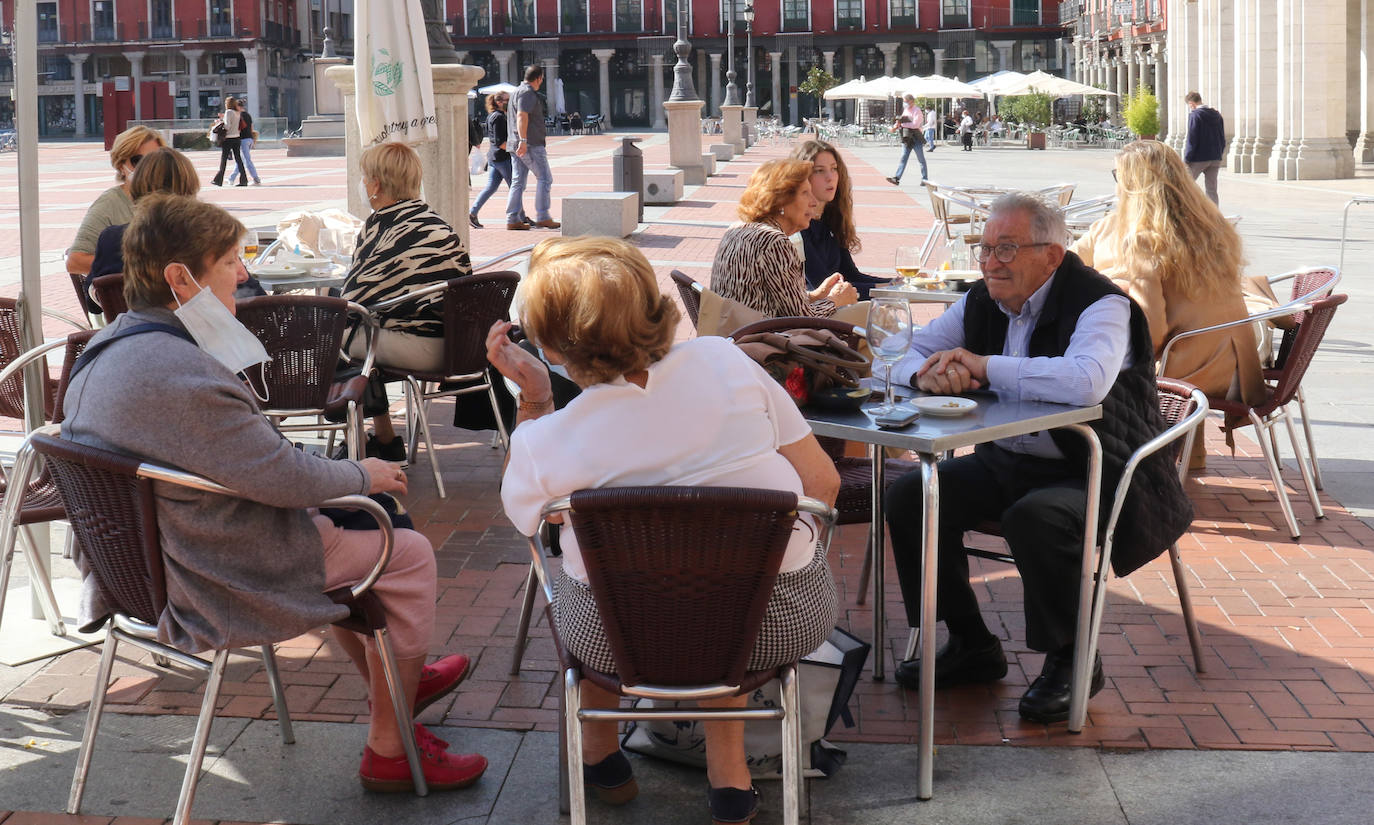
<point>627,170</point>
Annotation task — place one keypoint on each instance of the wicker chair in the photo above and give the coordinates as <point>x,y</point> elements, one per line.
<point>304,334</point>
<point>109,293</point>
<point>644,549</point>
<point>83,298</point>
<point>689,290</point>
<point>1296,354</point>
<point>114,515</point>
<point>855,500</point>
<point>471,304</point>
<point>40,502</point>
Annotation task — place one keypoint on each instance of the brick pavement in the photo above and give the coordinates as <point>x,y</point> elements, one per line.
<point>1285,624</point>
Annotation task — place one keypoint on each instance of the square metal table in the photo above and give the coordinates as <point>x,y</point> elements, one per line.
<point>917,296</point>
<point>929,436</point>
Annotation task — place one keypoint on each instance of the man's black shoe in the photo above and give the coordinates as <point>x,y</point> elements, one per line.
<point>957,664</point>
<point>1047,699</point>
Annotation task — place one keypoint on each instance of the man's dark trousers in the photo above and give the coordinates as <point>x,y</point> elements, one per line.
<point>1041,505</point>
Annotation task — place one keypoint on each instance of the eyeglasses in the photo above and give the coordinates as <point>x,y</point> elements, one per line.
<point>1005,252</point>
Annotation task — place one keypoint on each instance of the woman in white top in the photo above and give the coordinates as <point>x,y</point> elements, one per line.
<point>653,413</point>
<point>966,131</point>
<point>231,143</point>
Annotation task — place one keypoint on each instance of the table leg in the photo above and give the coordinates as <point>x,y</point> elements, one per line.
<point>877,553</point>
<point>929,570</point>
<point>1090,598</point>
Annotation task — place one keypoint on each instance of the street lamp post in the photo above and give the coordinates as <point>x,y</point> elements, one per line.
<point>731,90</point>
<point>749,55</point>
<point>683,87</point>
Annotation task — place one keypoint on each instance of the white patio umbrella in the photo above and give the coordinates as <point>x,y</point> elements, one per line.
<point>497,88</point>
<point>885,87</point>
<point>391,69</point>
<point>1044,83</point>
<point>936,85</point>
<point>994,83</point>
<point>853,90</point>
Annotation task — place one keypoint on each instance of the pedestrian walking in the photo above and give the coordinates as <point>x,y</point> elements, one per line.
<point>1206,143</point>
<point>931,121</point>
<point>231,144</point>
<point>247,137</point>
<point>966,131</point>
<point>530,155</point>
<point>498,155</point>
<point>911,125</point>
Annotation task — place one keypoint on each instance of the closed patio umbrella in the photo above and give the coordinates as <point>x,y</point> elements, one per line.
<point>392,71</point>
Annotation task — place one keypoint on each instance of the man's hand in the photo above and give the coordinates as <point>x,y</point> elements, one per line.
<point>527,371</point>
<point>953,371</point>
<point>384,476</point>
<point>521,148</point>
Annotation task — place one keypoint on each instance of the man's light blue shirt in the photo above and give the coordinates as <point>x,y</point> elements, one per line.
<point>1081,376</point>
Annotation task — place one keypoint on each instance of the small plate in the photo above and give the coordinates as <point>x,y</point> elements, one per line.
<point>946,405</point>
<point>282,271</point>
<point>926,283</point>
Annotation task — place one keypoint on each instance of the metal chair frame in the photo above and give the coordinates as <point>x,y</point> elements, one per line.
<point>143,634</point>
<point>352,426</point>
<point>574,714</point>
<point>418,393</point>
<point>1270,412</point>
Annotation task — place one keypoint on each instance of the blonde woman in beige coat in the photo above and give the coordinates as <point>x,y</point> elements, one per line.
<point>1179,258</point>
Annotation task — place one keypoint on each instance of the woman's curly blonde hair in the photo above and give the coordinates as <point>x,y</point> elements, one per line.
<point>595,302</point>
<point>771,186</point>
<point>1166,223</point>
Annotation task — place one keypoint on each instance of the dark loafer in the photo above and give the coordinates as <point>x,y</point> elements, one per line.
<point>1047,699</point>
<point>957,664</point>
<point>733,804</point>
<point>612,779</point>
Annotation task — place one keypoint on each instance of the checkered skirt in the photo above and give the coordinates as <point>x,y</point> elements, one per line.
<point>801,612</point>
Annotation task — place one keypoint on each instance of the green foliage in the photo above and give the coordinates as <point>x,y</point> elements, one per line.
<point>1142,112</point>
<point>1094,109</point>
<point>817,82</point>
<point>1032,110</point>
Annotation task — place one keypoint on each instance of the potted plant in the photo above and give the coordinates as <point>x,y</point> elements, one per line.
<point>818,81</point>
<point>1142,113</point>
<point>1033,111</point>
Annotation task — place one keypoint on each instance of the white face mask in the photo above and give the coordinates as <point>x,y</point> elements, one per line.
<point>217,331</point>
<point>362,193</point>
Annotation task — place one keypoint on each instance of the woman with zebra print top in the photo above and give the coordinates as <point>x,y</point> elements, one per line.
<point>757,265</point>
<point>403,247</point>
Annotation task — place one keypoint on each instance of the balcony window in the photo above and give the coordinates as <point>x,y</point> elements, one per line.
<point>572,16</point>
<point>220,24</point>
<point>901,12</point>
<point>478,15</point>
<point>58,68</point>
<point>162,20</point>
<point>849,15</point>
<point>47,23</point>
<point>1025,12</point>
<point>629,15</point>
<point>521,17</point>
<point>102,20</point>
<point>954,14</point>
<point>796,16</point>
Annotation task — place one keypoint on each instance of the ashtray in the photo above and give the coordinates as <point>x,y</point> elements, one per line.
<point>847,399</point>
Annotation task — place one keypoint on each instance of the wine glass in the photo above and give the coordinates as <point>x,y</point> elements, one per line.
<point>250,244</point>
<point>889,337</point>
<point>908,262</point>
<point>329,243</point>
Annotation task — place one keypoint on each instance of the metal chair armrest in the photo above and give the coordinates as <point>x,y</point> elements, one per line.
<point>419,293</point>
<point>371,329</point>
<point>502,257</point>
<point>62,316</point>
<point>28,357</point>
<point>1180,429</point>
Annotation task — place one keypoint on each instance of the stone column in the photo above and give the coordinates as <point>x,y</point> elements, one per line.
<point>1364,144</point>
<point>1264,91</point>
<point>1114,104</point>
<point>1128,56</point>
<point>551,84</point>
<point>136,68</point>
<point>889,51</point>
<point>1242,117</point>
<point>775,64</point>
<point>656,92</point>
<point>1160,73</point>
<point>1175,72</point>
<point>829,58</point>
<point>603,57</point>
<point>193,69</point>
<point>1312,93</point>
<point>937,61</point>
<point>1003,48</point>
<point>252,80</point>
<point>504,57</point>
<point>79,91</point>
<point>684,139</point>
<point>445,161</point>
<point>716,98</point>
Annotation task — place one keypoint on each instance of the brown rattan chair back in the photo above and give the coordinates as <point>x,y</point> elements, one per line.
<point>303,334</point>
<point>109,293</point>
<point>688,291</point>
<point>1307,337</point>
<point>1176,402</point>
<point>114,516</point>
<point>76,344</point>
<point>682,576</point>
<point>82,298</point>
<point>11,347</point>
<point>471,305</point>
<point>1308,284</point>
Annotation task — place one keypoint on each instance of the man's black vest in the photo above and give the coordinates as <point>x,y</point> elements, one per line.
<point>1157,511</point>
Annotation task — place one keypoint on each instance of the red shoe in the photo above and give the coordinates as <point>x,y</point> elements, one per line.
<point>424,738</point>
<point>442,771</point>
<point>438,680</point>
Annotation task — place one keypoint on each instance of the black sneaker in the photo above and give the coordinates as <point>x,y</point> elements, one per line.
<point>393,450</point>
<point>472,219</point>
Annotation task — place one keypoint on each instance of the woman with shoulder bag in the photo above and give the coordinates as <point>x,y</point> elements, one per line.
<point>912,124</point>
<point>231,144</point>
<point>498,158</point>
<point>247,137</point>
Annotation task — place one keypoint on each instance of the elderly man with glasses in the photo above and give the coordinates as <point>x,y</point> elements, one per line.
<point>1041,326</point>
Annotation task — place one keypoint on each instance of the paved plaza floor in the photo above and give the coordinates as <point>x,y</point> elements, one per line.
<point>1277,730</point>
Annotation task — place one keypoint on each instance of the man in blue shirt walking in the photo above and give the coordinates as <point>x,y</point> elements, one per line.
<point>1206,144</point>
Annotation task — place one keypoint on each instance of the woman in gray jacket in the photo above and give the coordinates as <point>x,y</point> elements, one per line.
<point>250,570</point>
